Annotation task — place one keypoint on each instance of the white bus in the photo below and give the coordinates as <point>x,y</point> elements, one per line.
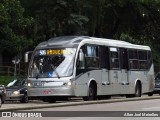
<point>89,67</point>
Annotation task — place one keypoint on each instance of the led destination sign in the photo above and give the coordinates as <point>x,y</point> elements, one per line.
<point>54,52</point>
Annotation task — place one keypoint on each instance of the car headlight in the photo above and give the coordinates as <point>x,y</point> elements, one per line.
<point>16,92</point>
<point>29,84</point>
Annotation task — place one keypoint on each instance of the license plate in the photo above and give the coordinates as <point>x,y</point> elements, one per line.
<point>38,83</point>
<point>9,93</point>
<point>46,92</point>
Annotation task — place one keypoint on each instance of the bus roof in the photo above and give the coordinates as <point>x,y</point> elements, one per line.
<point>62,41</point>
<point>74,41</point>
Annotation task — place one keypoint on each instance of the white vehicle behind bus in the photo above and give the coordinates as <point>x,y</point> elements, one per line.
<point>89,67</point>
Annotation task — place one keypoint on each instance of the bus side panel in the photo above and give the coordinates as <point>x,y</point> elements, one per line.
<point>144,80</point>
<point>105,84</point>
<point>81,85</point>
<point>133,76</point>
<point>124,82</point>
<point>83,80</point>
<point>115,77</point>
<point>150,77</point>
<point>96,75</point>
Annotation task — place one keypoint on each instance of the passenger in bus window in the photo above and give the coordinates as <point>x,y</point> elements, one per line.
<point>131,64</point>
<point>46,65</point>
<point>143,65</point>
<point>35,68</point>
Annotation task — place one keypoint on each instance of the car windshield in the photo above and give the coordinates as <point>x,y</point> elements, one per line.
<point>18,83</point>
<point>157,78</point>
<point>1,87</point>
<point>52,63</point>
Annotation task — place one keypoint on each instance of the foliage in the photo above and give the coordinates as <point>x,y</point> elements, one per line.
<point>14,27</point>
<point>4,80</point>
<point>136,21</point>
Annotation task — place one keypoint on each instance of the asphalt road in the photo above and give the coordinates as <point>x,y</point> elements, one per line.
<point>96,111</point>
<point>115,111</point>
<point>33,104</point>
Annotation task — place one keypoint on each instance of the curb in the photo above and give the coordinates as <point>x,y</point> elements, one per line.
<point>79,103</point>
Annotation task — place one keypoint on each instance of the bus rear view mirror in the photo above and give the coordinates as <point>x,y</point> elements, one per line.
<point>81,55</point>
<point>26,60</point>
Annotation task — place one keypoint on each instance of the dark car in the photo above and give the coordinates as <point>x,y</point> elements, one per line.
<point>2,94</point>
<point>17,90</point>
<point>157,83</point>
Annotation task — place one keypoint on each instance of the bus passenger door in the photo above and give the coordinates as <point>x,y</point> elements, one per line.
<point>104,64</point>
<point>114,71</point>
<point>105,82</point>
<point>124,71</point>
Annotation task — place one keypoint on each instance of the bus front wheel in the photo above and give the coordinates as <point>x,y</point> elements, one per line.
<point>51,99</point>
<point>91,93</point>
<point>150,94</point>
<point>138,90</point>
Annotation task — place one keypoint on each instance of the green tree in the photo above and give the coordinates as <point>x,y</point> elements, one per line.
<point>136,21</point>
<point>14,28</point>
<point>55,18</point>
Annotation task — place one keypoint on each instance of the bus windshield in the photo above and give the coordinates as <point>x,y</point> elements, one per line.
<point>48,63</point>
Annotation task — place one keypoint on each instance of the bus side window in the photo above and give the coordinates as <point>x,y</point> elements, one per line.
<point>104,57</point>
<point>142,59</point>
<point>114,58</point>
<point>133,59</point>
<point>81,64</point>
<point>92,57</point>
<point>124,58</point>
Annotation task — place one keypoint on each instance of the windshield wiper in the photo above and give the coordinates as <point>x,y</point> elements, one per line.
<point>53,67</point>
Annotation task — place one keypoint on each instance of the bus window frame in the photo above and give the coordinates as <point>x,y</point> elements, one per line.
<point>143,60</point>
<point>97,57</point>
<point>133,59</point>
<point>106,59</point>
<point>110,58</point>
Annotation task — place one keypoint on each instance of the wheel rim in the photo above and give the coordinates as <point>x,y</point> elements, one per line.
<point>138,91</point>
<point>26,98</point>
<point>91,92</point>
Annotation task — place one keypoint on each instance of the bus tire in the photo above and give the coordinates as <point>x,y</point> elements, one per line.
<point>103,97</point>
<point>51,99</point>
<point>138,90</point>
<point>24,99</point>
<point>129,95</point>
<point>150,94</point>
<point>91,93</point>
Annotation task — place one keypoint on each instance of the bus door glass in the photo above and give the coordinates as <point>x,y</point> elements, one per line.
<point>124,66</point>
<point>104,58</point>
<point>124,71</point>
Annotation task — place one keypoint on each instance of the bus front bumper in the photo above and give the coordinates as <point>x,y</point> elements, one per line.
<point>51,91</point>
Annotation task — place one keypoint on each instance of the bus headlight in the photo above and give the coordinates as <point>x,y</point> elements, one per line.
<point>67,83</point>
